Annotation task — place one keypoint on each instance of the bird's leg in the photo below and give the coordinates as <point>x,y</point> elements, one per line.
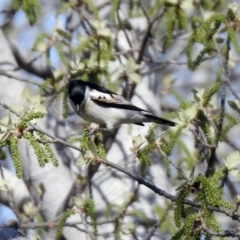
<point>93,128</point>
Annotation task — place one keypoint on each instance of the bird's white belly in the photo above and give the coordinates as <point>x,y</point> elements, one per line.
<point>108,116</point>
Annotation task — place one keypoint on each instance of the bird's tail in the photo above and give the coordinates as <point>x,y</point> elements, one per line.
<point>160,120</point>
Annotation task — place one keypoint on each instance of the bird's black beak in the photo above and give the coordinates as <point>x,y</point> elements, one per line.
<point>78,108</point>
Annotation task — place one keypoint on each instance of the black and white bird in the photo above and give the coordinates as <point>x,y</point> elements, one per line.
<point>97,104</point>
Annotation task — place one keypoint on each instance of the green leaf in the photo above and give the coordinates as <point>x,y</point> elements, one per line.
<point>234,105</point>
<point>100,28</point>
<point>32,101</point>
<point>131,65</point>
<point>93,148</point>
<point>209,92</point>
<point>195,94</point>
<point>64,33</point>
<point>134,77</point>
<point>128,228</point>
<point>58,74</point>
<point>137,141</point>
<point>232,159</point>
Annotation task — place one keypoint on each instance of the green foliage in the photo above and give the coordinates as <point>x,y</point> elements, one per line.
<point>206,127</point>
<point>42,148</point>
<point>64,8</point>
<point>65,102</point>
<point>30,7</point>
<point>181,18</point>
<point>167,146</point>
<point>212,191</point>
<point>142,154</point>
<point>209,193</point>
<point>155,7</point>
<point>85,43</point>
<point>196,22</point>
<point>89,209</point>
<point>38,149</point>
<point>204,35</point>
<point>145,162</point>
<point>62,222</point>
<point>208,237</point>
<point>44,85</point>
<point>100,146</point>
<point>115,8</point>
<point>179,211</point>
<point>171,115</point>
<point>110,209</point>
<point>170,17</point>
<point>233,39</point>
<point>232,121</point>
<point>185,105</point>
<point>117,229</point>
<point>204,120</point>
<point>234,105</point>
<point>95,146</point>
<point>174,16</point>
<point>130,70</point>
<point>173,135</point>
<point>166,223</point>
<point>207,4</point>
<point>92,7</point>
<point>189,158</point>
<point>138,213</point>
<point>85,140</point>
<point>29,117</point>
<point>15,156</point>
<point>40,41</point>
<point>61,53</point>
<point>99,44</point>
<point>48,149</point>
<point>207,215</point>
<point>2,154</point>
<point>205,32</point>
<point>209,92</point>
<point>231,163</point>
<point>92,148</point>
<point>189,230</point>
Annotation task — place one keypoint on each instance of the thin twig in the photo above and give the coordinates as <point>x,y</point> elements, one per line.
<point>124,31</point>
<point>224,67</point>
<point>3,73</point>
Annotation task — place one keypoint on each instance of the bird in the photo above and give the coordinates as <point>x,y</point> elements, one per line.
<point>99,105</point>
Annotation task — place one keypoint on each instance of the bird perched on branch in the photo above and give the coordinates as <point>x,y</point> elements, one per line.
<point>97,104</point>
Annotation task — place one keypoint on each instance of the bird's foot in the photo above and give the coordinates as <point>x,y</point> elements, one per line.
<point>94,128</point>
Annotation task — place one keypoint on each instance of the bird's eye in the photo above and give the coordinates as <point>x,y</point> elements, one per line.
<point>99,97</point>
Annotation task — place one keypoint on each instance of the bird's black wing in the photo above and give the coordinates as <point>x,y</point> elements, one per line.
<point>98,88</point>
<point>108,104</point>
<point>112,100</point>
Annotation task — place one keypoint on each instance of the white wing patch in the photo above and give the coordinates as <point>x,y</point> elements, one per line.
<point>94,94</point>
<point>108,98</point>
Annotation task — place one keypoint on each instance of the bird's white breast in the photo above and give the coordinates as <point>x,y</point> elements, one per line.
<point>111,117</point>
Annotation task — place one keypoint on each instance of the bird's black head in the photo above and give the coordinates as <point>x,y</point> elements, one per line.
<point>76,91</point>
